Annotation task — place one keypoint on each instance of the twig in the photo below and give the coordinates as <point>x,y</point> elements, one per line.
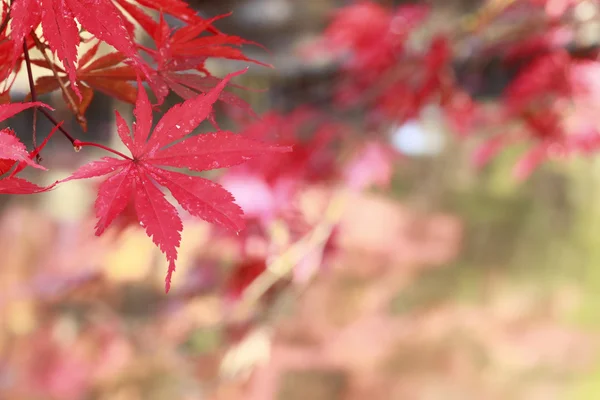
<point>41,47</point>
<point>34,96</point>
<point>285,263</point>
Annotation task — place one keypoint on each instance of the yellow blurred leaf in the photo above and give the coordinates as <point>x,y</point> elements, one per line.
<point>131,258</point>
<point>20,317</point>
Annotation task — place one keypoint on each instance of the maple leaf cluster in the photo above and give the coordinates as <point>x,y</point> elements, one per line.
<point>392,78</point>
<point>550,103</point>
<point>133,182</point>
<point>383,71</point>
<point>388,74</point>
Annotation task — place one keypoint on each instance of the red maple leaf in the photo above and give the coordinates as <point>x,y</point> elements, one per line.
<point>133,179</point>
<point>176,8</point>
<point>180,56</point>
<point>57,18</point>
<point>354,30</point>
<point>13,151</point>
<point>106,74</point>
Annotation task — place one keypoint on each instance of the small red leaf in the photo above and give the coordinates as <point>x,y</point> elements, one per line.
<point>182,118</point>
<point>22,164</point>
<point>21,186</point>
<point>213,151</point>
<point>201,198</point>
<point>143,120</point>
<point>62,35</point>
<point>115,193</point>
<point>9,110</point>
<point>25,16</point>
<point>160,220</point>
<point>12,149</point>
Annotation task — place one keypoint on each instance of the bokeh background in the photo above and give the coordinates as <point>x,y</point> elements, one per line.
<point>452,283</point>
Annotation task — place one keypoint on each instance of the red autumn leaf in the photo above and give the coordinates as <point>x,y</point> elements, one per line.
<point>9,110</point>
<point>11,148</point>
<point>15,185</point>
<point>32,154</point>
<point>176,8</point>
<point>134,180</point>
<point>554,97</point>
<point>546,75</point>
<point>313,159</point>
<point>354,29</point>
<point>57,17</point>
<point>13,151</point>
<point>243,275</point>
<point>181,51</point>
<point>106,74</point>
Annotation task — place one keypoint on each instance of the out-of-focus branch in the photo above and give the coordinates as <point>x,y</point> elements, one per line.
<point>285,262</point>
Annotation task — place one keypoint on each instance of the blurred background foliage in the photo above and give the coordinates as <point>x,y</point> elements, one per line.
<point>509,310</point>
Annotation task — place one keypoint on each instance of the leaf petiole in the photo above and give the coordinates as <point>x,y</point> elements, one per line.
<point>77,143</point>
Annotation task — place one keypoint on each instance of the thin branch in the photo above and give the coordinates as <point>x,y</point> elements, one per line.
<point>32,90</point>
<point>34,96</point>
<point>285,262</point>
<point>60,128</point>
<point>42,48</point>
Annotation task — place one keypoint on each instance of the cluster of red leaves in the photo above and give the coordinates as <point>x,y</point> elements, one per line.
<point>392,78</point>
<point>13,153</point>
<point>178,57</point>
<point>133,184</point>
<point>269,188</point>
<point>553,101</point>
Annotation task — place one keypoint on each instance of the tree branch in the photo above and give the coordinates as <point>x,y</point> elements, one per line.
<point>33,94</point>
<point>34,97</point>
<point>285,262</point>
<point>42,48</point>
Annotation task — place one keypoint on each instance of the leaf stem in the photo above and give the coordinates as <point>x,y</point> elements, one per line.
<point>56,123</point>
<point>78,143</point>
